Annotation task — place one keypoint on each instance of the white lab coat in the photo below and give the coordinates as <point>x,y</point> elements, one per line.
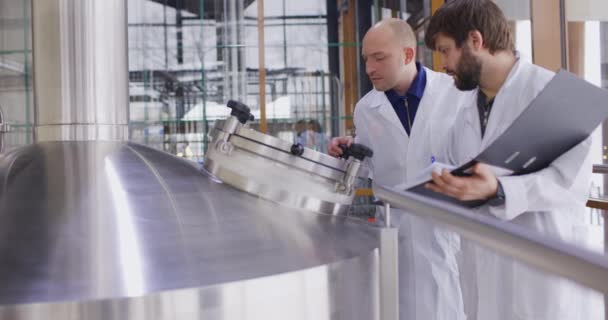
<point>429,279</point>
<point>550,202</point>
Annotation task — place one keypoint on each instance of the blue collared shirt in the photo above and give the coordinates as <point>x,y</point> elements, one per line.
<point>412,96</point>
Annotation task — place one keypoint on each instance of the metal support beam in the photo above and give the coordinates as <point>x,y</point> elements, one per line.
<point>576,48</point>
<point>348,53</point>
<point>545,254</point>
<point>389,274</point>
<point>179,36</point>
<point>436,4</point>
<point>81,70</point>
<point>334,64</point>
<point>549,32</point>
<point>262,66</point>
<point>231,48</point>
<point>604,54</point>
<point>364,22</point>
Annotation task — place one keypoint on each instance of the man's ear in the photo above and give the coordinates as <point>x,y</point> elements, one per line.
<point>475,40</point>
<point>410,55</point>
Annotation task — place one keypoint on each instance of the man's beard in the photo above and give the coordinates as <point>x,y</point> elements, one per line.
<point>468,71</point>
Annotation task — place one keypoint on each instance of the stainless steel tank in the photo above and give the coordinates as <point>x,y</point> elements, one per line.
<point>112,230</point>
<point>92,228</point>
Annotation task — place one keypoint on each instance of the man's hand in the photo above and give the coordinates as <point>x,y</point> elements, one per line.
<point>481,185</point>
<point>334,150</point>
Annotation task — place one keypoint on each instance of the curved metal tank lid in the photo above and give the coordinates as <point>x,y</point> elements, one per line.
<point>96,220</point>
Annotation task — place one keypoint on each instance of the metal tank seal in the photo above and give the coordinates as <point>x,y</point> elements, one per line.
<point>280,171</point>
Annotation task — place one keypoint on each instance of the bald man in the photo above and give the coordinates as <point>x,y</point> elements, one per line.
<point>404,119</point>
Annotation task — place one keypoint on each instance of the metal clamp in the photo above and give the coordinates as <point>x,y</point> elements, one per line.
<point>230,127</point>
<point>348,180</point>
<point>355,154</point>
<point>239,116</point>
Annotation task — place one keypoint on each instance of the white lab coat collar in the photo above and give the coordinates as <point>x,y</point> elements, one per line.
<point>379,98</point>
<point>379,103</point>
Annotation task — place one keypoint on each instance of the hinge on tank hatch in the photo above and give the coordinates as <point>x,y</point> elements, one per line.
<point>239,115</point>
<point>354,154</point>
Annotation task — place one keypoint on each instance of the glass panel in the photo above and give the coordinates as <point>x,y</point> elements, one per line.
<point>518,13</point>
<point>602,43</point>
<point>14,33</point>
<point>593,48</point>
<point>16,96</point>
<point>591,16</point>
<point>184,68</point>
<point>604,67</point>
<point>586,10</point>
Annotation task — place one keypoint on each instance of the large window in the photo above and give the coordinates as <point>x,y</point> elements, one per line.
<point>16,94</point>
<point>188,58</point>
<point>590,18</point>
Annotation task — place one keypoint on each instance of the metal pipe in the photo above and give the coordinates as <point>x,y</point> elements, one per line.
<point>262,67</point>
<point>231,32</point>
<point>81,70</point>
<point>563,33</point>
<point>387,215</point>
<point>556,257</point>
<point>364,21</point>
<point>389,274</point>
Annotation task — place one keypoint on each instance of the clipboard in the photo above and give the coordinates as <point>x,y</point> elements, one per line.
<point>575,108</point>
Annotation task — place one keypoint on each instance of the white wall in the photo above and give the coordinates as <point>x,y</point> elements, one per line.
<point>587,10</point>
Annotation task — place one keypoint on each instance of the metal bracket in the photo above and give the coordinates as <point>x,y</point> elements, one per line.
<point>230,127</point>
<point>224,146</point>
<point>355,154</point>
<point>350,175</point>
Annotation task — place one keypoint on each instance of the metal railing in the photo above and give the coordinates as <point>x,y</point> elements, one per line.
<point>598,201</point>
<point>548,255</point>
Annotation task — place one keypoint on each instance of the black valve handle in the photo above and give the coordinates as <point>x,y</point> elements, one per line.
<point>356,150</point>
<point>240,111</point>
<point>297,149</point>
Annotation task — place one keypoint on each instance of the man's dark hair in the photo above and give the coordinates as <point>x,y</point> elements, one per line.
<point>456,18</point>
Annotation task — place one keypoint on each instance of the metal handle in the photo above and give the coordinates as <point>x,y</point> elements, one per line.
<point>240,111</point>
<point>557,257</point>
<point>356,150</point>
